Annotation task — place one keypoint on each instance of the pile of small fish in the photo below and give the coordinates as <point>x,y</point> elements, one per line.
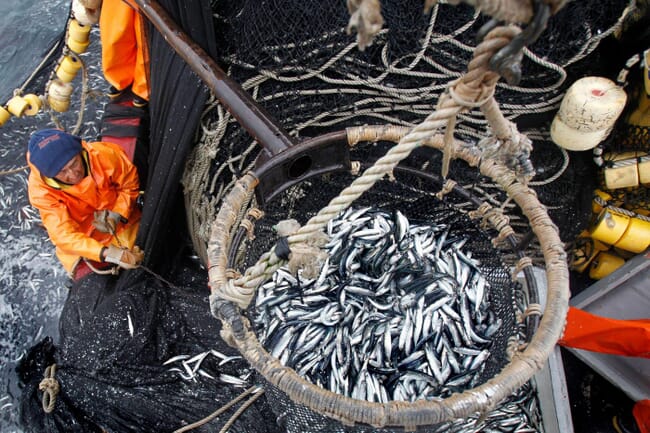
<point>398,312</point>
<point>190,367</point>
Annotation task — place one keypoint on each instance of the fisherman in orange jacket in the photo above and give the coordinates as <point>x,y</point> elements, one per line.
<point>86,195</point>
<point>124,49</point>
<point>588,331</point>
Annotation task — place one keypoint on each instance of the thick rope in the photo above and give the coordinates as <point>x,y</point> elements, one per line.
<point>50,388</point>
<point>469,88</point>
<point>221,410</point>
<point>241,410</point>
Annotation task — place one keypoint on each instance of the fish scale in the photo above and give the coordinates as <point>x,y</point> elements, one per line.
<point>391,320</point>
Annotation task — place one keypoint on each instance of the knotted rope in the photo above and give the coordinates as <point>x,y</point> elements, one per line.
<point>50,388</point>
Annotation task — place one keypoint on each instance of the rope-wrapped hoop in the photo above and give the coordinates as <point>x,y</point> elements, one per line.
<point>229,292</point>
<point>420,413</point>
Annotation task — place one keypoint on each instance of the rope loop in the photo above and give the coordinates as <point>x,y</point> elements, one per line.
<point>447,187</point>
<point>521,264</point>
<point>50,388</point>
<point>486,93</point>
<point>250,228</point>
<point>533,310</point>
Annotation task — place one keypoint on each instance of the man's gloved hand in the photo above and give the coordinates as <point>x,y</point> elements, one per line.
<point>106,221</point>
<point>123,257</point>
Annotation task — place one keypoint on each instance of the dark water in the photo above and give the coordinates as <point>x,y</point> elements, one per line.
<point>32,282</point>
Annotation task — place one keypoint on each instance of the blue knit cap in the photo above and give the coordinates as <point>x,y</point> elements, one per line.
<point>51,149</point>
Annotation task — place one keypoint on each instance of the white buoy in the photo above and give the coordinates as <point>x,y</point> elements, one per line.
<point>84,15</point>
<point>587,114</point>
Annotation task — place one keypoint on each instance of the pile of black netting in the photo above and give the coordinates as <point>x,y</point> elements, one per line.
<point>109,363</point>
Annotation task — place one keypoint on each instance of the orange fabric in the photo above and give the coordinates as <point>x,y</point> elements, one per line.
<point>600,334</point>
<point>67,213</point>
<point>124,47</point>
<point>641,412</point>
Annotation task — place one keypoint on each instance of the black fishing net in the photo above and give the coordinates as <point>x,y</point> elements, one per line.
<point>116,334</point>
<point>109,364</point>
<point>313,79</point>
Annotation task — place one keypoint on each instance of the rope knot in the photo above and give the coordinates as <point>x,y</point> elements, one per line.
<point>303,254</point>
<point>50,388</point>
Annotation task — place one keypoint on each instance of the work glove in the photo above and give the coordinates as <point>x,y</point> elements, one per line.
<point>106,221</point>
<point>123,257</point>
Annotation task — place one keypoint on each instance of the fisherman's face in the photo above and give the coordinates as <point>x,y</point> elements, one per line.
<point>73,172</point>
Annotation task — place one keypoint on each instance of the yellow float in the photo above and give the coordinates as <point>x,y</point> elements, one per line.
<point>609,226</point>
<point>78,36</point>
<point>34,104</point>
<point>68,68</point>
<point>17,105</point>
<point>604,264</point>
<point>5,115</point>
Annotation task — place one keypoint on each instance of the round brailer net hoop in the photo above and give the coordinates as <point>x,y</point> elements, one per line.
<point>503,159</point>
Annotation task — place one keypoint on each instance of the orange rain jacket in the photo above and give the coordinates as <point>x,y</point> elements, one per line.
<point>618,337</point>
<point>125,56</point>
<point>67,211</point>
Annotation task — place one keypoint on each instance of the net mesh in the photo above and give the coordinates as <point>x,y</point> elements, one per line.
<point>313,79</point>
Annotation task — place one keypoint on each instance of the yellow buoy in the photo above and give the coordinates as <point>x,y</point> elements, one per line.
<point>17,105</point>
<point>58,97</point>
<point>78,47</point>
<point>78,36</point>
<point>35,104</point>
<point>587,113</point>
<point>622,170</point>
<point>5,115</point>
<point>609,226</point>
<point>636,237</point>
<point>604,264</point>
<point>68,68</point>
<point>78,31</point>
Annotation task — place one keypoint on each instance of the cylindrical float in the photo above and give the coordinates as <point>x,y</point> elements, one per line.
<point>636,237</point>
<point>587,114</point>
<point>604,264</point>
<point>78,36</point>
<point>59,95</point>
<point>68,68</point>
<point>5,115</point>
<point>609,226</point>
<point>621,170</point>
<point>34,104</point>
<point>17,105</point>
